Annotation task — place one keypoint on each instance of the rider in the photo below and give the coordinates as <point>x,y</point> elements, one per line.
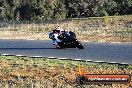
<point>58,31</point>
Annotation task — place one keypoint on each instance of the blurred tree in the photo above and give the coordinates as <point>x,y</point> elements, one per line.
<point>124,6</point>
<point>8,6</point>
<point>61,9</point>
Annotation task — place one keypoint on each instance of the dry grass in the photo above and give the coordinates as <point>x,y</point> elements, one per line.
<point>24,72</point>
<point>105,29</point>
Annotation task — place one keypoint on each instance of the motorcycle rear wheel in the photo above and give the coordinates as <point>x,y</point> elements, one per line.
<point>80,46</point>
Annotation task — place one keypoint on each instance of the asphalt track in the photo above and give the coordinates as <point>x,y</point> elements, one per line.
<point>108,52</point>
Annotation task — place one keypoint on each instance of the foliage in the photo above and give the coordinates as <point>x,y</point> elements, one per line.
<point>61,9</point>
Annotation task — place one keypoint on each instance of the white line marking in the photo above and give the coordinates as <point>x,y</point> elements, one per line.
<point>19,55</point>
<point>99,61</point>
<point>5,54</point>
<point>78,59</point>
<point>123,63</point>
<point>89,60</point>
<point>36,56</point>
<point>112,62</point>
<point>63,58</point>
<point>51,57</point>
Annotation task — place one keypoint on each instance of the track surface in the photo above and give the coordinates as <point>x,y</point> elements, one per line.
<point>108,52</point>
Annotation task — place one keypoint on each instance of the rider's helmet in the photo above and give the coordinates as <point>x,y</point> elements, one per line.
<point>57,29</point>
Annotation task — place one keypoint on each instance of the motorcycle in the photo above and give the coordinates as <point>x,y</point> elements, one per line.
<point>68,41</point>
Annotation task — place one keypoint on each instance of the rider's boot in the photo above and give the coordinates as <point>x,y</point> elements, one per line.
<point>53,43</point>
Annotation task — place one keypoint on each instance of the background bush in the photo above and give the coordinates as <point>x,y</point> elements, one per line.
<point>61,9</point>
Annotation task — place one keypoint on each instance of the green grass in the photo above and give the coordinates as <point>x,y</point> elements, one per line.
<point>15,61</point>
<point>26,72</point>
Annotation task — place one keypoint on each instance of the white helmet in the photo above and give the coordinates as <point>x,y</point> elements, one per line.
<point>57,28</point>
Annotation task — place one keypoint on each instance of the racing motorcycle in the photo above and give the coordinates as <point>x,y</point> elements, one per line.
<point>68,41</point>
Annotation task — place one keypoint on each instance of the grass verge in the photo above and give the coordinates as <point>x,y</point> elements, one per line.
<point>99,29</point>
<point>26,72</point>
